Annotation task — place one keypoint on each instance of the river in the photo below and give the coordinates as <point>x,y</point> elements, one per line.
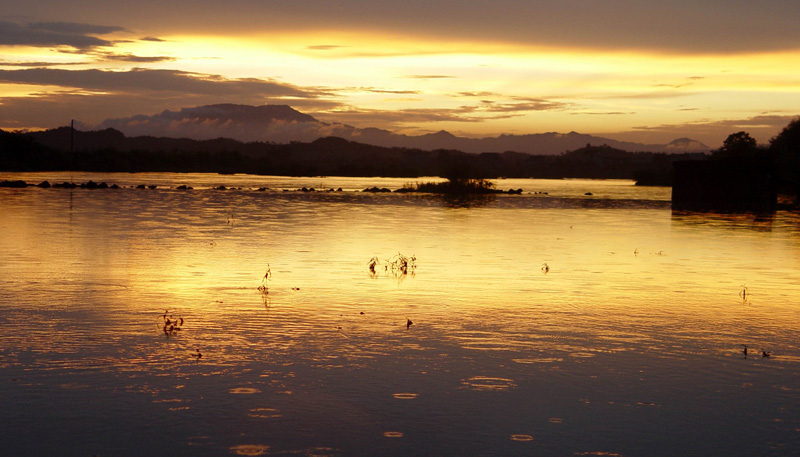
<point>579,318</point>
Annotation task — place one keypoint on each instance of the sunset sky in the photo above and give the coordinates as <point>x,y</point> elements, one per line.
<point>646,71</point>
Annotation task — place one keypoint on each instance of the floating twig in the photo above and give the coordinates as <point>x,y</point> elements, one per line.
<point>264,287</point>
<point>743,293</point>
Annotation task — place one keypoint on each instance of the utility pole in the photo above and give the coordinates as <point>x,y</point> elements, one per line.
<point>72,137</point>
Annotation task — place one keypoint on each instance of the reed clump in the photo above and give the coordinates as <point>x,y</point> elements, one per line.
<point>172,324</point>
<point>399,265</point>
<point>455,187</point>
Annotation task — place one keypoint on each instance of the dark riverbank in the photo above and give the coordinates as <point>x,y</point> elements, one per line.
<point>110,151</point>
<point>478,187</point>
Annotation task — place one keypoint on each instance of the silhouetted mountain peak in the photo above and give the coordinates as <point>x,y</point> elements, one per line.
<point>63,137</point>
<point>284,124</point>
<point>687,144</point>
<point>243,113</point>
<point>441,134</point>
<point>331,141</point>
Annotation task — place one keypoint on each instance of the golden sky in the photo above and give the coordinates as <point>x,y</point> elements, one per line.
<point>638,71</point>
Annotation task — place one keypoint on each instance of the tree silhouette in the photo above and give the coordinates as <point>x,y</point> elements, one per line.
<point>785,148</point>
<point>739,144</point>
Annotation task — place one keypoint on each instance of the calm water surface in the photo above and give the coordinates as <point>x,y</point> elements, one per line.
<point>554,324</point>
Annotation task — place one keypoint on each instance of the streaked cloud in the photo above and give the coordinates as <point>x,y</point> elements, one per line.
<point>403,118</point>
<point>476,94</point>
<point>94,95</point>
<point>529,105</point>
<point>762,128</point>
<point>69,34</point>
<point>396,118</point>
<point>324,47</point>
<point>602,113</point>
<point>140,79</point>
<point>388,91</point>
<point>711,26</point>
<point>127,57</point>
<point>483,69</point>
<point>29,64</point>
<point>428,76</point>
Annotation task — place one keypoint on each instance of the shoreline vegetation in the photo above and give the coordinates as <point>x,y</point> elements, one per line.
<point>450,187</point>
<point>65,149</point>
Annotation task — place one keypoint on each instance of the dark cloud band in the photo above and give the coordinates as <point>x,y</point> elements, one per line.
<point>55,34</point>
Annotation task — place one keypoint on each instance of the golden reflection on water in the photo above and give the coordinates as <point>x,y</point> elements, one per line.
<point>488,383</point>
<point>265,413</point>
<point>521,437</point>
<point>639,307</point>
<point>250,449</point>
<point>405,396</point>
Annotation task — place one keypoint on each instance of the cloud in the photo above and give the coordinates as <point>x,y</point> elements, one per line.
<point>652,95</point>
<point>128,57</point>
<point>245,123</point>
<point>602,113</point>
<point>428,76</point>
<point>28,64</point>
<point>56,109</point>
<point>527,106</point>
<point>711,26</point>
<point>48,34</point>
<point>94,95</point>
<point>73,38</point>
<point>401,119</point>
<point>157,81</point>
<point>673,86</point>
<point>400,99</point>
<point>394,118</point>
<point>324,47</point>
<point>68,28</point>
<point>387,91</point>
<point>476,94</point>
<point>711,132</point>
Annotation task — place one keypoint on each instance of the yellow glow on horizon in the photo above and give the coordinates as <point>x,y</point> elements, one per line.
<point>26,90</point>
<point>345,59</point>
<point>348,48</point>
<point>486,87</point>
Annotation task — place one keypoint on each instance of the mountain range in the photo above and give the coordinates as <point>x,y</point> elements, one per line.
<point>283,124</point>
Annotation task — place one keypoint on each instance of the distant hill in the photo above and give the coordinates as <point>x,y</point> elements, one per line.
<point>110,150</point>
<point>283,124</point>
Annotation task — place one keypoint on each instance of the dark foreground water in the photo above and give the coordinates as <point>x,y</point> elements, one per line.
<point>555,324</point>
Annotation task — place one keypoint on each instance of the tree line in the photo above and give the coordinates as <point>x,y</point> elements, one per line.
<point>782,154</point>
<point>109,150</point>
